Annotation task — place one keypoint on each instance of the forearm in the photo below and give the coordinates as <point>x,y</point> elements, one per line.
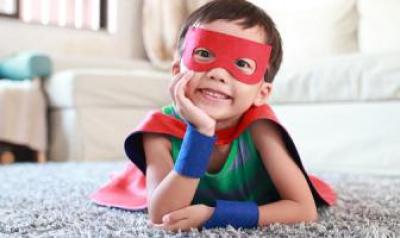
<point>249,215</point>
<point>287,212</point>
<point>181,182</point>
<point>173,193</point>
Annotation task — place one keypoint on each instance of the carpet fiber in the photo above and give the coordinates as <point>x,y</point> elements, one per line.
<point>51,200</point>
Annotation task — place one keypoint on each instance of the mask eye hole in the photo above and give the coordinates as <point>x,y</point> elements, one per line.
<point>203,55</point>
<point>246,65</point>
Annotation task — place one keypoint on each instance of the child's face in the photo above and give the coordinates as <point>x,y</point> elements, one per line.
<point>216,90</point>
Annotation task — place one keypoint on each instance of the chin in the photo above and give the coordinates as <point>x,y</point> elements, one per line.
<point>214,111</point>
<point>220,114</point>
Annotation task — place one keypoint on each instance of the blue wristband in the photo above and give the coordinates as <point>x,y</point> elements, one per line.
<point>195,153</point>
<point>234,213</point>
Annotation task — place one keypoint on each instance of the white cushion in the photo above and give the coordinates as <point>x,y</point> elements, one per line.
<point>379,28</point>
<point>63,62</point>
<point>312,29</point>
<point>108,88</point>
<point>342,78</point>
<point>345,137</point>
<point>92,134</point>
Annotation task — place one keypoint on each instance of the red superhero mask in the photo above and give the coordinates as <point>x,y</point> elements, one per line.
<point>226,51</point>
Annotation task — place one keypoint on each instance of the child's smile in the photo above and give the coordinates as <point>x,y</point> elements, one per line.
<point>216,91</point>
<point>213,94</point>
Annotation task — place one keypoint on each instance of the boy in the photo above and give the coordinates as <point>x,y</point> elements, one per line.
<point>218,156</point>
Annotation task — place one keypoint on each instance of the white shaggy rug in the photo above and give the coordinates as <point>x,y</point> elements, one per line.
<point>51,200</point>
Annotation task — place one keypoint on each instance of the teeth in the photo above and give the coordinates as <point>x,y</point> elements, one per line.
<point>215,94</point>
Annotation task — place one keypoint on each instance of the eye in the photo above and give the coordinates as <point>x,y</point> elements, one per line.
<point>203,55</point>
<point>247,66</point>
<point>242,64</point>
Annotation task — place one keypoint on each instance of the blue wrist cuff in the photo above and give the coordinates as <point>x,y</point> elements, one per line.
<point>234,213</point>
<point>195,153</point>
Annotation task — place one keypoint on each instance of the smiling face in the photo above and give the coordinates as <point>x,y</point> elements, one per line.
<point>216,90</point>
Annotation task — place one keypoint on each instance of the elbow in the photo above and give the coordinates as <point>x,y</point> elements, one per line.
<point>155,217</point>
<point>156,212</point>
<point>311,215</point>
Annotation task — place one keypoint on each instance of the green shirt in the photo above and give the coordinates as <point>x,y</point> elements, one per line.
<point>242,178</point>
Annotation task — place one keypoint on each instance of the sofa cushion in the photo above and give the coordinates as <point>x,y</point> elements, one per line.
<point>64,62</point>
<point>311,29</point>
<point>350,137</point>
<point>92,134</point>
<point>353,77</point>
<point>379,27</point>
<point>108,88</point>
<point>356,77</point>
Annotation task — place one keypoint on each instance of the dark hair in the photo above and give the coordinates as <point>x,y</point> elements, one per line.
<point>232,10</point>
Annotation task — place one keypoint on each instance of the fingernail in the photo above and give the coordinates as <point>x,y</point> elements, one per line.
<point>165,219</point>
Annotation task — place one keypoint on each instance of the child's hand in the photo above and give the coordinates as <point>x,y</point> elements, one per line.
<point>185,107</point>
<point>184,219</point>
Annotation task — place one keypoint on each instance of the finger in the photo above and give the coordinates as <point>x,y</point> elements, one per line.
<point>172,84</point>
<point>176,216</point>
<point>160,226</point>
<point>181,225</point>
<point>177,79</point>
<point>163,226</point>
<point>188,74</point>
<point>180,91</point>
<point>180,99</point>
<point>185,79</point>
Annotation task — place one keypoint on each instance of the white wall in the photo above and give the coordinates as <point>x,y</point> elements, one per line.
<point>126,43</point>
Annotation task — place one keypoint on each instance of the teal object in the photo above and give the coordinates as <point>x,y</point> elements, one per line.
<point>25,65</point>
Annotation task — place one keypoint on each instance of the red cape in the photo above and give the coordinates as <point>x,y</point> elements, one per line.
<point>128,189</point>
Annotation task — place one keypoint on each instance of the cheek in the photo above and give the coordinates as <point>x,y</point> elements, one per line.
<point>245,90</point>
<point>245,95</point>
<point>193,84</point>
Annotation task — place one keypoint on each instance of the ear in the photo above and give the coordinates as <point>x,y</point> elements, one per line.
<point>176,69</point>
<point>263,94</point>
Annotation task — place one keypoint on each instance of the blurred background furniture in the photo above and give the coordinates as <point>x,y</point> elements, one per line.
<point>23,108</point>
<point>337,92</point>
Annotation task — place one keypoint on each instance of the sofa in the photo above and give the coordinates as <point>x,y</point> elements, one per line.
<point>23,106</point>
<point>337,92</point>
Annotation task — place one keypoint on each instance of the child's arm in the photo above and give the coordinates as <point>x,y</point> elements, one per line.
<point>172,187</point>
<point>167,190</point>
<point>297,204</point>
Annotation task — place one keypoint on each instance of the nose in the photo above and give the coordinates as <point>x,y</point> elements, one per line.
<point>219,74</point>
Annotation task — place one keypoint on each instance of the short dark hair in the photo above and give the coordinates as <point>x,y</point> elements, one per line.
<point>232,10</point>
